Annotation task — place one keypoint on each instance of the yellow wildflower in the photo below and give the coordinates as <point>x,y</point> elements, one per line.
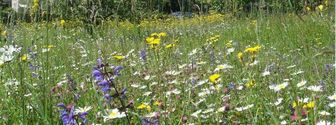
<point>309,105</point>
<point>162,34</point>
<point>118,57</point>
<point>24,57</point>
<point>308,8</point>
<point>213,39</point>
<point>154,35</point>
<point>320,7</point>
<point>157,103</point>
<point>253,50</point>
<point>170,45</point>
<point>62,22</point>
<point>144,106</point>
<point>4,33</point>
<point>294,104</point>
<point>250,84</point>
<point>214,78</point>
<point>229,44</point>
<point>240,56</point>
<point>50,46</point>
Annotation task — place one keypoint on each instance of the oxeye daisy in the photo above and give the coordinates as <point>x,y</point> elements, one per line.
<point>113,114</point>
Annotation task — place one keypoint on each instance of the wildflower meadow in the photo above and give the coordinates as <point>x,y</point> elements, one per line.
<point>208,69</point>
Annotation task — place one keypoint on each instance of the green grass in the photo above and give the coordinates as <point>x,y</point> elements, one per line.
<point>285,41</point>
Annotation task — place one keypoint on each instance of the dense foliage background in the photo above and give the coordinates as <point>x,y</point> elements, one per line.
<point>95,11</point>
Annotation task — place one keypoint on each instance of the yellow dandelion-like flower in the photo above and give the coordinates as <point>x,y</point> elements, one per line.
<point>118,57</point>
<point>309,105</point>
<point>240,56</point>
<point>214,78</point>
<point>253,50</point>
<point>170,45</point>
<point>144,106</point>
<point>162,34</point>
<point>294,104</point>
<point>229,44</point>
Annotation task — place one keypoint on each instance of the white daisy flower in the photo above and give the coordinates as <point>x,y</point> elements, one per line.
<point>265,73</point>
<point>324,113</point>
<point>113,114</point>
<point>332,105</point>
<point>324,123</point>
<point>301,83</point>
<point>315,88</point>
<point>239,109</point>
<point>81,110</point>
<point>332,97</point>
<point>277,88</point>
<point>195,114</point>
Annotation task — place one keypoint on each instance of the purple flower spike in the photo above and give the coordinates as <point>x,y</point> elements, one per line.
<point>116,70</point>
<point>143,55</point>
<point>98,75</point>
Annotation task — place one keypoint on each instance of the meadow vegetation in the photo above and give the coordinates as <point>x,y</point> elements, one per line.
<point>215,68</point>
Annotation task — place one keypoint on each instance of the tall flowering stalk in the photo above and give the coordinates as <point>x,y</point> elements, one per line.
<point>106,82</point>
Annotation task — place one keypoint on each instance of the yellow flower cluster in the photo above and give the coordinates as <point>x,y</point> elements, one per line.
<point>309,105</point>
<point>251,50</point>
<point>214,78</point>
<point>213,39</point>
<point>144,106</point>
<point>154,39</point>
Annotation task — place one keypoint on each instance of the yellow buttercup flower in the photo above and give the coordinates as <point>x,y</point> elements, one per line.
<point>214,78</point>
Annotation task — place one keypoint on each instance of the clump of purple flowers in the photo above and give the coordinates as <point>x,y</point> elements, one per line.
<point>105,76</point>
<point>68,115</point>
